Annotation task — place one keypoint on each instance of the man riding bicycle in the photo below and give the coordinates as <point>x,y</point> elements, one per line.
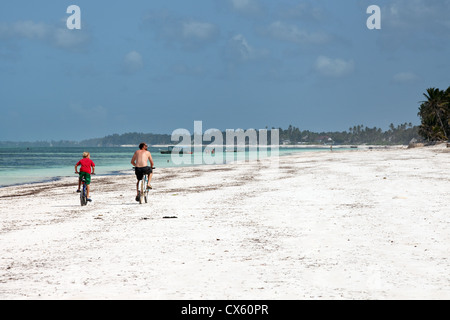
<point>140,162</point>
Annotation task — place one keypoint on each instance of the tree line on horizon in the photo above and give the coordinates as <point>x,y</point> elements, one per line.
<point>402,134</point>
<point>359,134</point>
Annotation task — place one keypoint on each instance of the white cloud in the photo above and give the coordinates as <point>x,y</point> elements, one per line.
<point>198,31</point>
<point>132,62</point>
<point>334,67</point>
<point>415,24</point>
<point>291,33</point>
<point>69,39</point>
<point>27,29</point>
<point>174,30</point>
<point>241,4</point>
<point>246,6</point>
<point>302,11</point>
<point>405,77</point>
<point>238,50</point>
<point>418,14</point>
<point>59,37</point>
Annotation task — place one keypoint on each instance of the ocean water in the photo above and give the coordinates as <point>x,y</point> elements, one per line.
<point>22,165</point>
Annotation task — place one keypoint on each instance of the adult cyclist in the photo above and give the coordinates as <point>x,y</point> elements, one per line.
<point>140,161</point>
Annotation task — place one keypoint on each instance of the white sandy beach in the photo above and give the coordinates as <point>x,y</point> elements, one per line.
<point>372,224</point>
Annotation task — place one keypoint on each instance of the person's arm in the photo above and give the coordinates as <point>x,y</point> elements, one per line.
<point>133,160</point>
<point>76,167</point>
<point>93,167</point>
<point>150,159</point>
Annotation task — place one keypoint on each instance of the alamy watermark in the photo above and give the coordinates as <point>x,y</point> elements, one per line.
<point>374,21</point>
<point>74,21</point>
<point>213,146</point>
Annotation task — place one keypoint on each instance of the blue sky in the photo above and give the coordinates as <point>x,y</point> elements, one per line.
<point>155,66</point>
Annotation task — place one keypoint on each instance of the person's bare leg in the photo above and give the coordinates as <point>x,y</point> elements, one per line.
<point>149,179</point>
<point>88,188</point>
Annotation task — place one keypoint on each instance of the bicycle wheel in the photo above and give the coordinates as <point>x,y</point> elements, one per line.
<point>145,190</point>
<point>83,197</point>
<point>141,192</point>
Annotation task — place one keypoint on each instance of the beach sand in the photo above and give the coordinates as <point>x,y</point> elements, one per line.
<point>371,224</point>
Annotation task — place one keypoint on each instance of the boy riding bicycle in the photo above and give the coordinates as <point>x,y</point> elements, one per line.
<point>87,167</point>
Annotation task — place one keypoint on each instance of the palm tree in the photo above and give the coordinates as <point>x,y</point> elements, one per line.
<point>447,98</point>
<point>433,112</point>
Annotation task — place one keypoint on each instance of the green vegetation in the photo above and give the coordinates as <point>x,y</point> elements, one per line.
<point>435,115</point>
<point>133,138</point>
<point>402,134</point>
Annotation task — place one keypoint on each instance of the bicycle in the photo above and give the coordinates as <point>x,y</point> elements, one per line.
<point>83,193</point>
<point>143,190</point>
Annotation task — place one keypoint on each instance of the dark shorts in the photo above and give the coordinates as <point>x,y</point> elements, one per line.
<point>141,171</point>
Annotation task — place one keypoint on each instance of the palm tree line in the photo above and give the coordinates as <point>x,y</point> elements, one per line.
<point>358,134</point>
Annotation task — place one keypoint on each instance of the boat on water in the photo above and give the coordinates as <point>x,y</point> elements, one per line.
<point>173,149</point>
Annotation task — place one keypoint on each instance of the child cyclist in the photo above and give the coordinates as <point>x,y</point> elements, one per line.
<point>87,167</point>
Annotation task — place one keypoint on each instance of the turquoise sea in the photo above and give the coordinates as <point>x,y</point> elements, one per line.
<point>21,165</point>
